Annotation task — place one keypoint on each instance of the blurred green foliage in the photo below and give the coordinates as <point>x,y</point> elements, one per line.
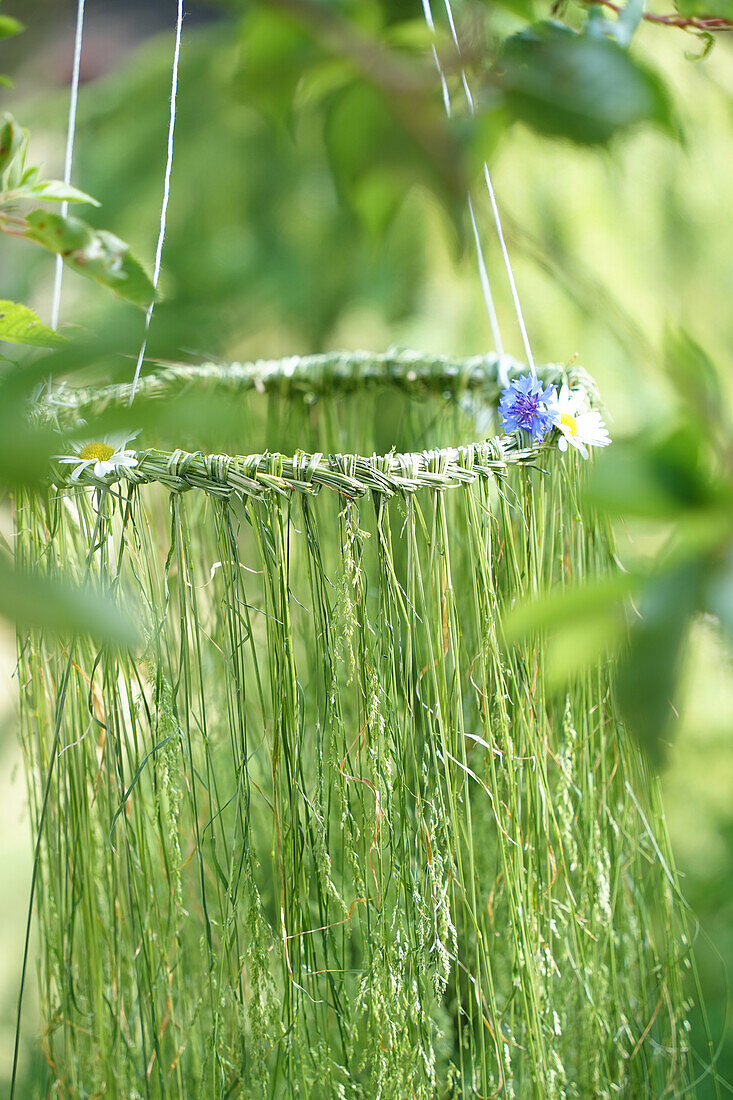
<point>678,481</point>
<point>304,130</point>
<point>581,86</point>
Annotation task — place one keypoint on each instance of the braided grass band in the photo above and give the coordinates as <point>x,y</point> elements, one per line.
<point>310,378</point>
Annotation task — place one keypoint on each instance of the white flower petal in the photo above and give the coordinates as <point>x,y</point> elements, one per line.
<point>76,474</point>
<point>566,401</point>
<point>592,430</point>
<point>575,402</point>
<point>119,440</point>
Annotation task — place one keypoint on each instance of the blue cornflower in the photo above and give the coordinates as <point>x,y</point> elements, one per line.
<point>523,404</point>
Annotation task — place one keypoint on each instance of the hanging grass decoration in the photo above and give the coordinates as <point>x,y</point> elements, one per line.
<point>323,834</point>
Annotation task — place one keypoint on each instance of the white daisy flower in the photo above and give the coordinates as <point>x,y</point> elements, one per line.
<point>104,460</point>
<point>577,425</point>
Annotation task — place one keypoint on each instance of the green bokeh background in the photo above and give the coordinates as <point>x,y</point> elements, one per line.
<point>262,258</point>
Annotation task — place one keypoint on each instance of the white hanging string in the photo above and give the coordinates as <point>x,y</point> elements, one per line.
<point>166,196</point>
<point>482,271</point>
<point>486,290</point>
<point>509,272</point>
<point>69,158</point>
<point>492,198</point>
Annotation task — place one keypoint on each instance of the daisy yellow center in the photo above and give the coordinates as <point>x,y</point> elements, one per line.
<point>569,423</point>
<point>100,451</point>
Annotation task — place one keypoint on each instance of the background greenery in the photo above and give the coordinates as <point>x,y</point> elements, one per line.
<point>303,218</point>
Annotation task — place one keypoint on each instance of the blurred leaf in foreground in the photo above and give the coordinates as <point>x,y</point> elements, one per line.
<point>10,26</point>
<point>275,57</point>
<point>653,477</point>
<point>676,480</point>
<point>581,623</point>
<point>375,162</point>
<point>20,325</point>
<point>649,669</point>
<point>697,382</point>
<point>578,86</point>
<point>30,599</point>
<point>719,593</point>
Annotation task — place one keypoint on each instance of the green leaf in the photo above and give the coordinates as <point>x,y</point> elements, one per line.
<point>581,623</point>
<point>31,599</point>
<point>559,606</point>
<point>10,26</point>
<point>696,380</point>
<point>58,191</point>
<point>377,152</point>
<point>275,54</point>
<point>658,478</point>
<point>581,645</point>
<point>714,9</point>
<point>31,176</point>
<point>20,325</point>
<point>94,253</point>
<point>581,87</point>
<point>719,594</point>
<point>12,137</point>
<point>65,235</point>
<point>648,673</point>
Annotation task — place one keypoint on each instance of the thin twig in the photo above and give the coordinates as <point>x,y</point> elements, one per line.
<point>684,22</point>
